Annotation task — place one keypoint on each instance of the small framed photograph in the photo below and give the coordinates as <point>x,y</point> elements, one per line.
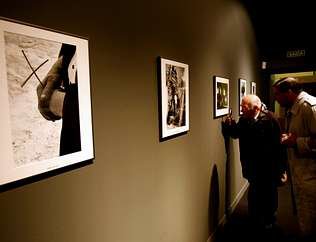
<point>221,96</point>
<point>253,88</point>
<point>242,92</point>
<point>45,99</point>
<point>173,98</point>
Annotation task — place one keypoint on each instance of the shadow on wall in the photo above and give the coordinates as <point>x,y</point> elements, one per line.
<point>213,209</point>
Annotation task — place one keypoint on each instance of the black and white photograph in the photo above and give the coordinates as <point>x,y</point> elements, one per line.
<point>242,92</point>
<point>253,88</point>
<point>221,96</point>
<point>45,98</point>
<point>174,98</point>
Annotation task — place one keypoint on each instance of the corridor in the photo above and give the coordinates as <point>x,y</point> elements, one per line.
<point>238,227</point>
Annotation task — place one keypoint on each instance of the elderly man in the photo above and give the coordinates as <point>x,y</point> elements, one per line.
<point>300,139</point>
<point>261,156</point>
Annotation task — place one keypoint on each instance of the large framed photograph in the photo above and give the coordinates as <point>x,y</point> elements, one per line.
<point>173,98</point>
<point>253,88</point>
<point>221,96</point>
<point>242,92</point>
<point>45,100</point>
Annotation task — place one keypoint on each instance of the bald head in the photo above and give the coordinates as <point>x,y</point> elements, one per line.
<point>250,105</point>
<point>252,101</point>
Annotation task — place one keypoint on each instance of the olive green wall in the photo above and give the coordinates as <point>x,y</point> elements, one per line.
<point>139,189</point>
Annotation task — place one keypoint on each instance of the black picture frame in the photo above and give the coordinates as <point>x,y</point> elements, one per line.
<point>253,88</point>
<point>242,91</point>
<point>173,98</point>
<point>220,96</point>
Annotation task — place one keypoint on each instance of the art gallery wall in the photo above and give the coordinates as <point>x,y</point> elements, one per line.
<point>139,189</point>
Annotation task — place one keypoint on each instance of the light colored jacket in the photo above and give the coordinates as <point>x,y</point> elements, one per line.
<point>303,124</point>
<point>302,160</point>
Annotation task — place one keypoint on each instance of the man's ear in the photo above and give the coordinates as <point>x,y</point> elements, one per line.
<point>256,108</point>
<point>291,95</point>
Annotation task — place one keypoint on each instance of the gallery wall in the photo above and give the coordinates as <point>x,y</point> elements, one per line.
<point>139,189</point>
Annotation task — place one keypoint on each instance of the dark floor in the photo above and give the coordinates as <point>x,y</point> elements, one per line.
<point>238,227</point>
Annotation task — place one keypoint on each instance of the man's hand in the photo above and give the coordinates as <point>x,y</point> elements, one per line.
<point>226,124</point>
<point>45,90</point>
<point>284,177</point>
<point>229,121</point>
<point>288,139</point>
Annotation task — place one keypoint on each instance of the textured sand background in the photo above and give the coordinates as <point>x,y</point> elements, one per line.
<point>33,137</point>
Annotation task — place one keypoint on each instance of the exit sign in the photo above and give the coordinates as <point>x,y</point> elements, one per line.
<point>295,53</point>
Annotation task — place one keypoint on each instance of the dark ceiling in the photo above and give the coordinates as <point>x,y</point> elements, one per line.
<point>282,25</point>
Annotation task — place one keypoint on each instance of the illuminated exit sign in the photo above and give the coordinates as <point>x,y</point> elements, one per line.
<point>295,53</point>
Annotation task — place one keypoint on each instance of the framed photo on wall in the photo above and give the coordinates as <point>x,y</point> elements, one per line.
<point>173,98</point>
<point>253,88</point>
<point>242,91</point>
<point>220,96</point>
<point>45,99</point>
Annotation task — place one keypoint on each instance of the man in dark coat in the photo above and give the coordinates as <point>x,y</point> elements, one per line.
<point>262,158</point>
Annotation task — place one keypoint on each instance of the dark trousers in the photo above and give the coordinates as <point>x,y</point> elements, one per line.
<point>262,203</point>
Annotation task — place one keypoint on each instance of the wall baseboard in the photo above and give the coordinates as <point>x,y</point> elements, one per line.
<point>234,204</point>
<point>231,209</point>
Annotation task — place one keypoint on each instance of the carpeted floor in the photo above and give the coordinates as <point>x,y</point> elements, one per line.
<point>238,227</point>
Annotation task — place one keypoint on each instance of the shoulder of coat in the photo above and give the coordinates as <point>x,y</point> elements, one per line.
<point>310,100</point>
<point>267,114</point>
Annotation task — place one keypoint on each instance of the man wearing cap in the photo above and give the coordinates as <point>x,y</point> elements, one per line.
<point>300,140</point>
